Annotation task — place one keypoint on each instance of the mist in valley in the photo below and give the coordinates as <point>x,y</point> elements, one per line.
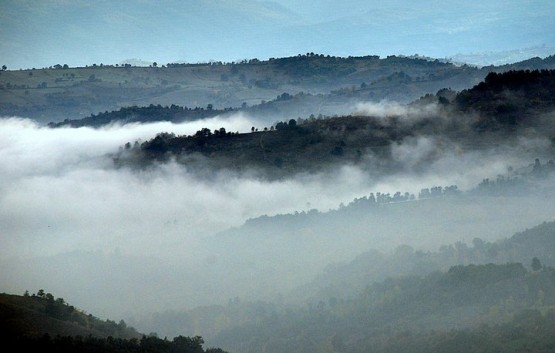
<point>276,176</point>
<point>137,243</point>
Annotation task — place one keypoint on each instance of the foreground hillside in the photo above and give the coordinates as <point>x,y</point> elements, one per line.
<point>42,322</point>
<point>41,313</point>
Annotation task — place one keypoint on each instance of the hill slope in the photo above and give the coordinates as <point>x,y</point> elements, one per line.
<point>501,110</point>
<point>40,322</point>
<point>431,309</point>
<point>59,93</point>
<point>38,314</point>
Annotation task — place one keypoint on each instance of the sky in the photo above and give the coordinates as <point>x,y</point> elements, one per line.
<point>78,33</point>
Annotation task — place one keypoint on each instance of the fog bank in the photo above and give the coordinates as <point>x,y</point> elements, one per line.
<point>118,241</point>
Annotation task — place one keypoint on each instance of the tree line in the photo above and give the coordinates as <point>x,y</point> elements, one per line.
<point>90,344</point>
<point>104,337</point>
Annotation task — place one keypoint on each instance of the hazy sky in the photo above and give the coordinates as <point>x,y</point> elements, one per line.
<point>48,32</point>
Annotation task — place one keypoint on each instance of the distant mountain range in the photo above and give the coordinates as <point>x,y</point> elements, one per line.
<point>165,31</point>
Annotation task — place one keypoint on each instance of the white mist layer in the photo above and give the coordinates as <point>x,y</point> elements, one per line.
<point>115,241</point>
<point>60,192</point>
<point>386,109</point>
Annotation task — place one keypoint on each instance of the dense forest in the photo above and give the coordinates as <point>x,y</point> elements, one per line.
<point>510,99</point>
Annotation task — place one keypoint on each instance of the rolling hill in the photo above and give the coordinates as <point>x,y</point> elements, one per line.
<point>40,321</point>
<point>330,85</point>
<point>504,107</point>
<point>38,314</point>
<point>429,298</point>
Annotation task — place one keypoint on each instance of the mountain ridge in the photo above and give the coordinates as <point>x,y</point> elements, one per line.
<point>336,84</point>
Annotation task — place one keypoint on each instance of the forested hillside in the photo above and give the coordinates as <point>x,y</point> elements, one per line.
<point>343,280</point>
<point>433,311</point>
<point>37,314</point>
<point>504,107</point>
<point>42,322</point>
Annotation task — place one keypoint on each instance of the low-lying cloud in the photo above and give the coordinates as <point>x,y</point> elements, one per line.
<point>61,192</point>
<point>387,109</point>
<point>70,220</point>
